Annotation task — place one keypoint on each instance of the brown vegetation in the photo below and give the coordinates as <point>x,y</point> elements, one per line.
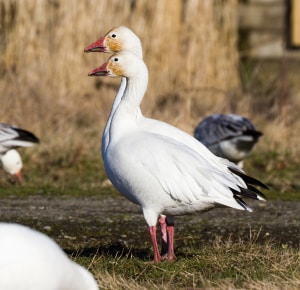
<point>44,83</point>
<point>189,46</point>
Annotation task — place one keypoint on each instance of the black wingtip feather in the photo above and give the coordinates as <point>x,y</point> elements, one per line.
<point>241,202</point>
<point>254,189</point>
<point>248,179</point>
<point>25,135</point>
<point>244,192</point>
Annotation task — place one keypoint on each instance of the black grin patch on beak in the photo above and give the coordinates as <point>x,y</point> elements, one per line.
<point>98,74</point>
<point>96,49</point>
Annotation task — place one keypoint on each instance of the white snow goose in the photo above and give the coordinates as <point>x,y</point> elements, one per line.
<point>31,260</point>
<point>229,136</point>
<point>12,137</point>
<point>12,164</point>
<point>165,174</point>
<point>124,39</point>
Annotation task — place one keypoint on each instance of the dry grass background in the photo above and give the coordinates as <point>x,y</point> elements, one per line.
<point>190,48</point>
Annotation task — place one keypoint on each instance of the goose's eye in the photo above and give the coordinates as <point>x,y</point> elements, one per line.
<point>114,35</point>
<point>116,59</point>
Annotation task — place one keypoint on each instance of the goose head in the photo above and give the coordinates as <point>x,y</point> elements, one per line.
<point>121,64</point>
<point>12,164</point>
<point>116,40</point>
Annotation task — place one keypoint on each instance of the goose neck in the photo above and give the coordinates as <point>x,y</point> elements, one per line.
<point>135,90</point>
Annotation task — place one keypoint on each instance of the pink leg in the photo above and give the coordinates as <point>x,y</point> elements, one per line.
<point>170,231</point>
<point>164,237</point>
<point>157,257</point>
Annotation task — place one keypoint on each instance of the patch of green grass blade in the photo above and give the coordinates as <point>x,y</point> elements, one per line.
<point>225,265</point>
<point>85,176</point>
<point>279,171</point>
<point>238,265</point>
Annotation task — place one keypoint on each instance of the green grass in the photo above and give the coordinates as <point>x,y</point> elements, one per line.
<point>86,177</point>
<point>279,171</point>
<point>237,264</point>
<point>224,264</point>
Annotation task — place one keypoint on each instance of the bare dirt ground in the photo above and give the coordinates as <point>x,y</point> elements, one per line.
<point>114,225</point>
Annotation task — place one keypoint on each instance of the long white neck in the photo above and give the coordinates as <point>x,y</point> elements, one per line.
<point>128,109</point>
<point>118,97</point>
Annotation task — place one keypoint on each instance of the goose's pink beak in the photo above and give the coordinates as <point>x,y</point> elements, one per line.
<point>100,71</point>
<point>97,46</point>
<point>18,176</point>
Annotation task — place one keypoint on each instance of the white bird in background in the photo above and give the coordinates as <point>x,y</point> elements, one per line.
<point>12,164</point>
<point>171,174</point>
<point>12,137</point>
<point>30,260</point>
<point>229,136</point>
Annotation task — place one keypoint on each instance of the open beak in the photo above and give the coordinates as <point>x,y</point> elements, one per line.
<point>100,71</point>
<point>97,46</point>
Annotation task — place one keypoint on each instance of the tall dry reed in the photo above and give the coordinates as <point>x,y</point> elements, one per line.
<point>190,48</point>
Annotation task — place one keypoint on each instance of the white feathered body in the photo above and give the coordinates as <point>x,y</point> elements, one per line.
<point>160,167</point>
<point>29,260</point>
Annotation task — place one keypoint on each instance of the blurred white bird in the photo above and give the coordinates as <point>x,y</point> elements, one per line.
<point>12,137</point>
<point>160,167</point>
<point>229,136</point>
<point>30,260</point>
<point>12,164</point>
